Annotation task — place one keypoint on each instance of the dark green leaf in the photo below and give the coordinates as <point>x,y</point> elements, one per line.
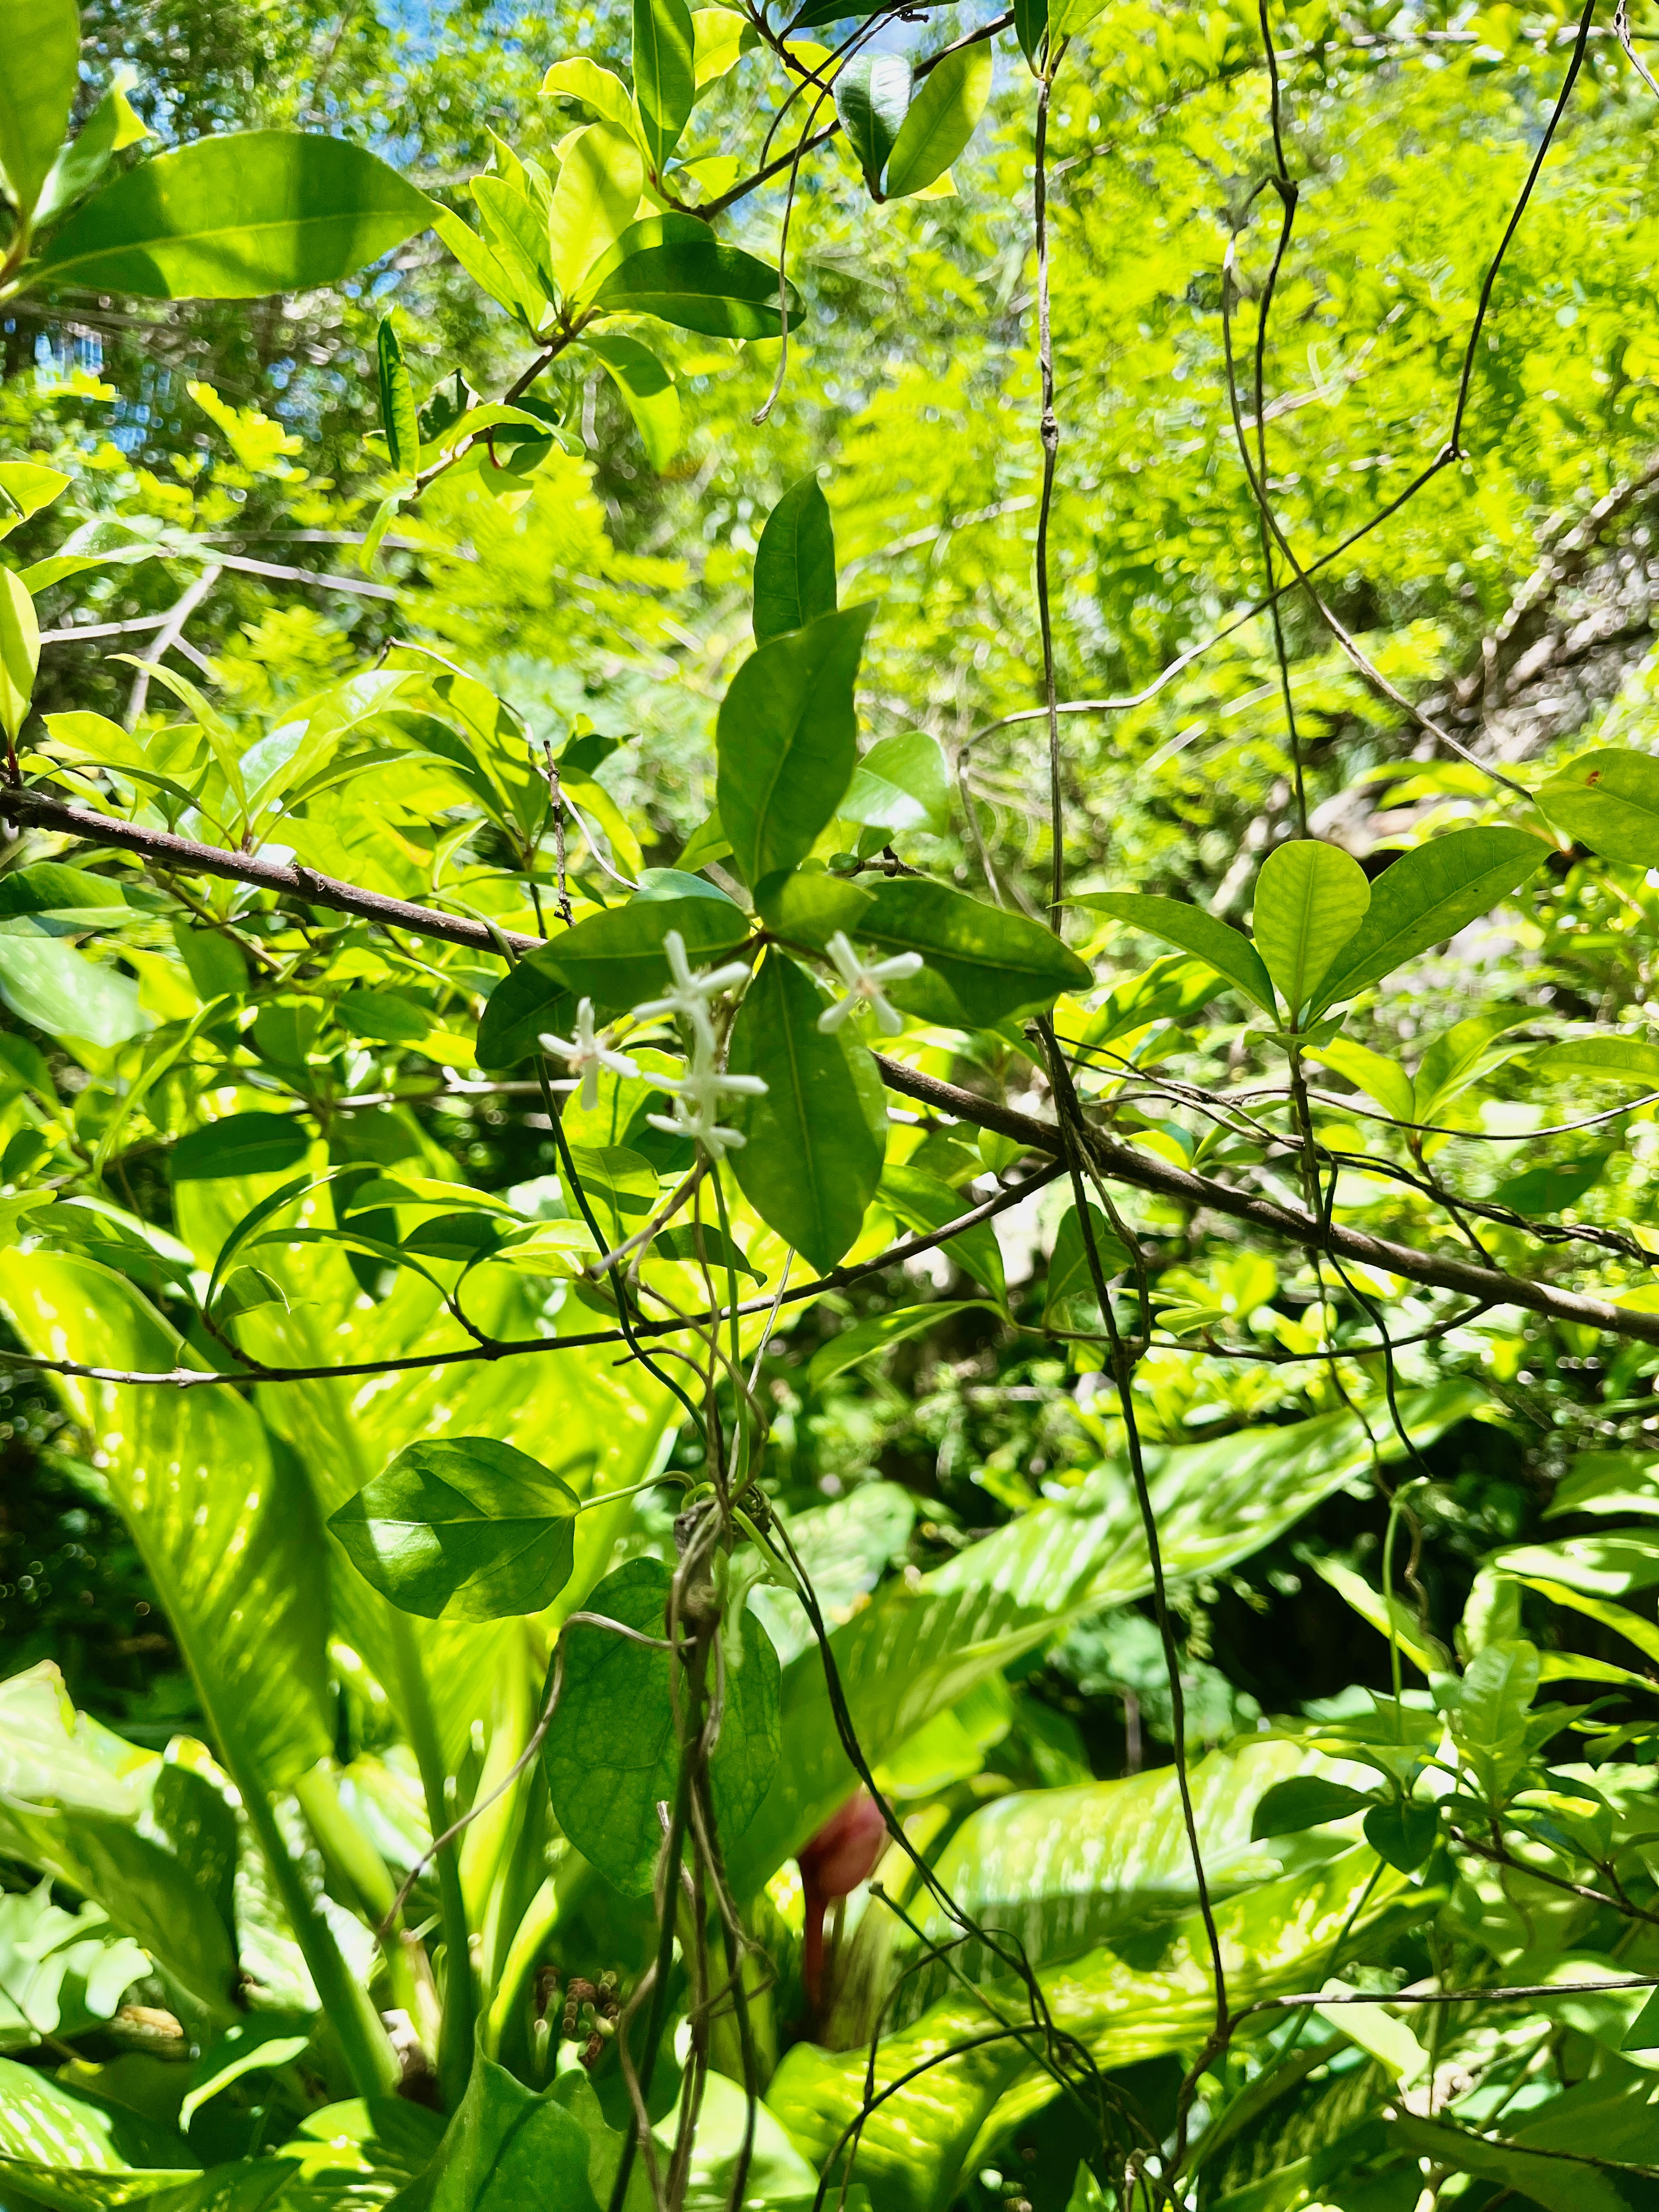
<point>795,563</point>
<point>648,392</point>
<point>504,2147</point>
<point>619,1185</point>
<point>923,1202</point>
<point>37,87</point>
<point>215,963</point>
<point>682,1243</point>
<point>674,267</point>
<point>530,999</point>
<point>1402,1834</point>
<point>611,1756</point>
<point>880,1333</point>
<point>995,965</point>
<point>1225,949</point>
<point>240,1145</point>
<point>615,958</point>
<point>1427,895</point>
<point>76,2152</point>
<point>786,741</point>
<point>1071,1300</point>
<point>942,118</point>
<point>48,887</point>
<point>871,93</point>
<point>1309,900</point>
<point>812,1153</point>
<point>900,784</point>
<point>664,83</point>
<point>1559,2184</point>
<point>397,419</point>
<point>237,217</point>
<point>807,906</point>
<point>1306,1801</point>
<point>1032,28</point>
<point>461,1528</point>
<point>1549,1190</point>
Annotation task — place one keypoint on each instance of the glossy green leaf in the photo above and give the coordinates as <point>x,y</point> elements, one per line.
<point>26,487</point>
<point>807,906</point>
<point>647,390</point>
<point>504,2147</point>
<point>1601,1566</point>
<point>1553,1187</point>
<point>942,118</point>
<point>600,179</point>
<point>872,92</point>
<point>1226,950</point>
<point>42,75</point>
<point>812,1151</point>
<point>260,2044</point>
<point>664,75</point>
<point>879,1333</point>
<point>795,563</point>
<point>1492,1703</point>
<point>20,652</point>
<point>703,1245</point>
<point>47,983</point>
<point>1609,800</point>
<point>900,784</point>
<point>1403,1834</point>
<point>1372,1072</point>
<point>786,742</point>
<point>602,90</point>
<point>530,999</point>
<point>1031,29</point>
<point>237,217</point>
<point>1560,2183</point>
<point>240,1145</point>
<point>78,2153</point>
<point>1305,1800</point>
<point>1071,1299</point>
<point>462,1528</point>
<point>1427,895</point>
<point>611,1754</point>
<point>1607,1059</point>
<point>996,964</point>
<point>615,958</point>
<point>60,1972</point>
<point>672,266</point>
<point>111,127</point>
<point>618,1184</point>
<point>50,887</point>
<point>1309,900</point>
<point>398,420</point>
<point>923,1202</point>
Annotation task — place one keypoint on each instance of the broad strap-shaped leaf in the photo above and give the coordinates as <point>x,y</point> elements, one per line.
<point>995,965</point>
<point>872,92</point>
<point>664,73</point>
<point>1427,895</point>
<point>37,89</point>
<point>226,1535</point>
<point>1309,900</point>
<point>463,1528</point>
<point>1608,800</point>
<point>879,1332</point>
<point>235,218</point>
<point>611,1756</point>
<point>599,182</point>
<point>813,1144</point>
<point>1226,950</point>
<point>647,390</point>
<point>674,267</point>
<point>795,563</point>
<point>82,2154</point>
<point>786,741</point>
<point>942,117</point>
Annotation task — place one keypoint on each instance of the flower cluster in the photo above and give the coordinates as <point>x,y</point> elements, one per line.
<point>585,1055</point>
<point>864,980</point>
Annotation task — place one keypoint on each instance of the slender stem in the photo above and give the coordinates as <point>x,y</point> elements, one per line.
<point>455,2036</point>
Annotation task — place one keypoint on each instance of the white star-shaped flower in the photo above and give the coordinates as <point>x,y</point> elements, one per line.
<point>864,980</point>
<point>697,1096</point>
<point>585,1055</point>
<point>692,989</point>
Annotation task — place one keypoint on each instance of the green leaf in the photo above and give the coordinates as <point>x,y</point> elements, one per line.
<point>600,179</point>
<point>1489,1718</point>
<point>611,1756</point>
<point>943,118</point>
<point>1427,895</point>
<point>996,964</point>
<point>615,958</point>
<point>504,2148</point>
<point>674,267</point>
<point>708,841</point>
<point>240,1145</point>
<point>49,984</point>
<point>1306,1801</point>
<point>1551,1188</point>
<point>647,390</point>
<point>530,999</point>
<point>1309,900</point>
<point>26,487</point>
<point>397,419</point>
<point>872,92</point>
<point>620,1185</point>
<point>1031,29</point>
<point>812,1151</point>
<point>900,784</point>
<point>1226,950</point>
<point>42,73</point>
<point>1560,2183</point>
<point>1071,1300</point>
<point>261,2044</point>
<point>78,2153</point>
<point>923,1202</point>
<point>1403,1834</point>
<point>795,563</point>
<point>681,1245</point>
<point>881,1332</point>
<point>462,1528</point>
<point>237,217</point>
<point>1372,1072</point>
<point>603,91</point>
<point>110,129</point>
<point>1610,1058</point>
<point>786,741</point>
<point>226,1533</point>
<point>50,887</point>
<point>665,76</point>
<point>807,906</point>
<point>1609,800</point>
<point>20,652</point>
